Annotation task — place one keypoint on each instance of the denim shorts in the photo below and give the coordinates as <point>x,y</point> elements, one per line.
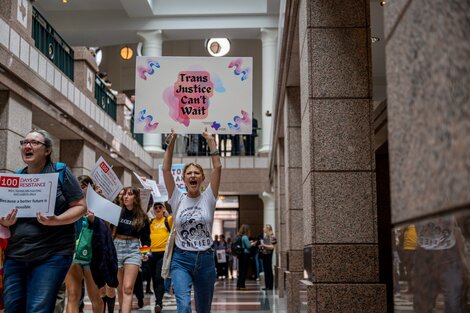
<point>128,252</point>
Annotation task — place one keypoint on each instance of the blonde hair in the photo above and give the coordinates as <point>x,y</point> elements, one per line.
<point>270,230</point>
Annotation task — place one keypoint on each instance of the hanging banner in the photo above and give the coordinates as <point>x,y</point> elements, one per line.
<point>192,94</point>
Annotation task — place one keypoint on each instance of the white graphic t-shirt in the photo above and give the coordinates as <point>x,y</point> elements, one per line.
<point>437,234</point>
<point>193,219</point>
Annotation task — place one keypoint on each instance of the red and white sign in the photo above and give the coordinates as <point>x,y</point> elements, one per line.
<point>28,193</point>
<point>104,176</point>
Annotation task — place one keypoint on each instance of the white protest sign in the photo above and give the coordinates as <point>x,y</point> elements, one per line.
<point>177,172</point>
<point>149,184</point>
<point>144,198</point>
<point>102,207</point>
<point>163,194</point>
<point>29,193</point>
<point>189,94</point>
<point>105,177</point>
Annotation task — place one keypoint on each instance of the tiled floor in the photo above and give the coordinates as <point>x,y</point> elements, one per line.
<point>226,300</point>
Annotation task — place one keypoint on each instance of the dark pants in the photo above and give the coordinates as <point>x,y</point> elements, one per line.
<point>33,286</point>
<point>139,286</point>
<point>437,270</point>
<point>268,270</point>
<point>155,263</point>
<point>243,261</point>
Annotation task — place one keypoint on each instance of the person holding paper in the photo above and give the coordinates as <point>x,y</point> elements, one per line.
<point>193,261</point>
<point>80,270</point>
<point>132,231</point>
<point>40,249</point>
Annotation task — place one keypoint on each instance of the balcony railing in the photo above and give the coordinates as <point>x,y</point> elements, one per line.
<point>49,42</point>
<point>104,98</point>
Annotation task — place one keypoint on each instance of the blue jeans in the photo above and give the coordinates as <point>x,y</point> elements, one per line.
<point>192,267</point>
<point>32,287</point>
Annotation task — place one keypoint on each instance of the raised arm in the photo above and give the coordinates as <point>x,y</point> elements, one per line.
<point>167,162</point>
<point>216,164</point>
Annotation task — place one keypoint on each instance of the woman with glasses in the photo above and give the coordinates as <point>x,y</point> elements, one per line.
<point>40,249</point>
<point>193,262</point>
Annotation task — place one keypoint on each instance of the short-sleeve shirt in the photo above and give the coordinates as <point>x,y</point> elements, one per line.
<point>159,233</point>
<point>193,218</point>
<point>437,234</point>
<point>33,242</point>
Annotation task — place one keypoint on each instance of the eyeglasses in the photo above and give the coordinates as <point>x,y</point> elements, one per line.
<point>158,207</point>
<point>33,143</point>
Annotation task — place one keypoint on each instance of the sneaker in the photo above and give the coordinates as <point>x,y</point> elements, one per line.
<point>140,303</point>
<point>157,308</point>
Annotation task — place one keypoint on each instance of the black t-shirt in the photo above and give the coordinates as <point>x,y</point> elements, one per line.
<point>125,228</point>
<point>33,242</point>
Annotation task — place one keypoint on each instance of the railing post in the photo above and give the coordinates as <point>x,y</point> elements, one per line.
<point>85,69</point>
<point>18,15</point>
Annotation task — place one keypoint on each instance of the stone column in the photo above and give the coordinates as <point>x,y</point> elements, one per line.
<point>85,70</point>
<point>124,106</point>
<point>152,46</point>
<point>18,14</point>
<point>125,176</point>
<point>79,156</point>
<point>338,170</point>
<point>15,123</point>
<point>294,217</point>
<point>282,242</point>
<point>428,76</point>
<point>269,216</point>
<point>269,44</point>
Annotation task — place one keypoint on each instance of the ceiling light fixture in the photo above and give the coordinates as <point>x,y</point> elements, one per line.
<point>126,53</point>
<point>375,39</point>
<point>218,47</point>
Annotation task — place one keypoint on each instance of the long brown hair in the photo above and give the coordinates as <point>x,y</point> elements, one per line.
<point>244,230</point>
<point>138,216</point>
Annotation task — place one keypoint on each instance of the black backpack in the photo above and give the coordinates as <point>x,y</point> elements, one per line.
<point>237,246</point>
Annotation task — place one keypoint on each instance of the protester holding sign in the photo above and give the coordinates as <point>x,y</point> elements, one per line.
<point>132,232</point>
<point>40,249</point>
<point>82,266</point>
<point>192,262</point>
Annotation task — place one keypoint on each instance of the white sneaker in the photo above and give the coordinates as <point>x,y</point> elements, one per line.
<point>167,295</point>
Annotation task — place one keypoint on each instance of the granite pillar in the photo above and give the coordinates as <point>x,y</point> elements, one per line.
<point>18,14</point>
<point>125,176</point>
<point>85,70</point>
<point>428,77</point>
<point>338,171</point>
<point>79,156</point>
<point>15,123</point>
<point>293,198</point>
<point>281,233</point>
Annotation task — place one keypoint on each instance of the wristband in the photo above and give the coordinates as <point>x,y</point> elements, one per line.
<point>215,152</point>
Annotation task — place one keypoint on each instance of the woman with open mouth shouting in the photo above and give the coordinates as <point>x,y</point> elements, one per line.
<point>192,263</point>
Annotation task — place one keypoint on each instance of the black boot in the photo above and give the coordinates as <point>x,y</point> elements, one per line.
<point>105,300</point>
<point>111,302</point>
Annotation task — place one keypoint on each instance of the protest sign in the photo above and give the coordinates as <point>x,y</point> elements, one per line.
<point>29,193</point>
<point>177,172</point>
<point>149,184</point>
<point>102,207</point>
<point>194,93</point>
<point>105,177</point>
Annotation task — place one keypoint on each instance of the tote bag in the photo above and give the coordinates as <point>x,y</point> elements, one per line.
<point>170,244</point>
<point>83,249</point>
